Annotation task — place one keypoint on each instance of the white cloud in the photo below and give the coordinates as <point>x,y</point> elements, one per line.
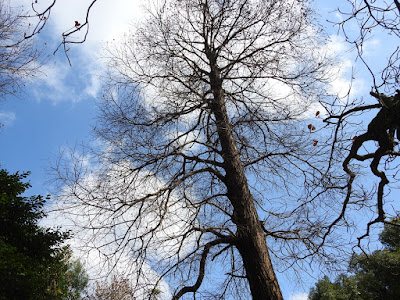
<point>99,260</point>
<point>110,226</point>
<point>53,82</point>
<point>107,18</point>
<point>370,46</point>
<point>299,296</point>
<point>7,118</point>
<point>338,16</point>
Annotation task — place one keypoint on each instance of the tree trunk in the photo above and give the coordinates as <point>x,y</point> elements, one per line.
<point>251,241</point>
<point>257,263</point>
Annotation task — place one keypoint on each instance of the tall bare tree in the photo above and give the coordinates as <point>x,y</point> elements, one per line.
<point>208,147</point>
<point>18,56</point>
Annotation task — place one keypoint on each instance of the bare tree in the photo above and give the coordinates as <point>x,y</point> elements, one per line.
<point>18,56</point>
<point>208,151</point>
<point>372,17</point>
<point>118,289</point>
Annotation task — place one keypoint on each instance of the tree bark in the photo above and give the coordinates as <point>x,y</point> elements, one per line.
<point>251,242</point>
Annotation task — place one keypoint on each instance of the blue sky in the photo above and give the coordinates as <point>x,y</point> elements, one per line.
<point>57,109</point>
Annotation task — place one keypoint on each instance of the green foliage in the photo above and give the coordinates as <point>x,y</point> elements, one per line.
<point>344,288</point>
<point>390,236</point>
<point>33,264</point>
<point>376,276</point>
<point>76,279</point>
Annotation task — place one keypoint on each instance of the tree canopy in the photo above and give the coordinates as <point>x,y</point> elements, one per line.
<point>376,275</point>
<point>203,122</point>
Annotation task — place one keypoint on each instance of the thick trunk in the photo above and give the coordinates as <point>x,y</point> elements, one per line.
<point>257,263</point>
<point>250,236</point>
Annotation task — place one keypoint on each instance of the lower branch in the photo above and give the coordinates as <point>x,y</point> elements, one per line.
<point>200,277</point>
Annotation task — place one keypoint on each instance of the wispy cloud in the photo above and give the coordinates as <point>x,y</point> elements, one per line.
<point>7,118</point>
<point>62,83</point>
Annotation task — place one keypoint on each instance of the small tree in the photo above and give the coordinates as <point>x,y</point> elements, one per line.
<point>117,289</point>
<point>376,276</point>
<point>344,288</point>
<point>76,280</point>
<point>33,264</point>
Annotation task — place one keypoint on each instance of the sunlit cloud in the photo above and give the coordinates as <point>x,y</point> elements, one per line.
<point>343,74</point>
<point>108,21</point>
<point>99,264</point>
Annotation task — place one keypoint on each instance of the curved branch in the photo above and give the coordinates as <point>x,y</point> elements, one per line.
<point>353,110</point>
<point>200,277</point>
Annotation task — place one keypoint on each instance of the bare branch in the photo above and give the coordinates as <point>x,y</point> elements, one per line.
<point>200,277</point>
